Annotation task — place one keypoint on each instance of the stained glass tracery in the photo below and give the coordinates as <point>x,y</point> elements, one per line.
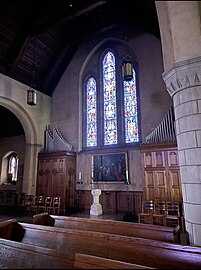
<point>110,106</point>
<point>91,111</point>
<point>130,111</point>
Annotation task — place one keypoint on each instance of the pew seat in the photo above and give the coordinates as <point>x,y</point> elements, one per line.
<point>86,261</point>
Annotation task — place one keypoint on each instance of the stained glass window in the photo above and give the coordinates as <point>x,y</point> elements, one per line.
<point>111,109</point>
<point>130,111</point>
<point>91,112</point>
<point>110,106</point>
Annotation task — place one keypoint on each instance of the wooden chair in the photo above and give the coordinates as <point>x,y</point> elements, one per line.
<point>21,206</point>
<point>28,201</point>
<point>41,204</point>
<point>4,198</point>
<point>55,208</point>
<point>159,213</point>
<point>172,217</point>
<point>47,203</point>
<point>33,208</point>
<point>146,216</point>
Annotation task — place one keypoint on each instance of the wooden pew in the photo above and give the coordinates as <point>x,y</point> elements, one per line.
<point>147,252</point>
<point>6,228</point>
<point>15,255</point>
<point>85,261</point>
<point>155,232</point>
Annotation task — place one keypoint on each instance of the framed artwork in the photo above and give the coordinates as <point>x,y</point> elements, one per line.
<point>110,168</point>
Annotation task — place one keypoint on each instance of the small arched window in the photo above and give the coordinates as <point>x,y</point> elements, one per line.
<point>111,107</point>
<point>13,167</point>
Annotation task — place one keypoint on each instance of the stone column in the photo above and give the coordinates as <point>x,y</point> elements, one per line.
<point>96,207</point>
<point>183,83</point>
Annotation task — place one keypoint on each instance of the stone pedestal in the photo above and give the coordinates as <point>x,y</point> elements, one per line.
<point>96,207</point>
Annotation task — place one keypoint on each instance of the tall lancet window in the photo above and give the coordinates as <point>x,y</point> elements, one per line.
<point>91,111</point>
<point>131,111</point>
<point>110,104</point>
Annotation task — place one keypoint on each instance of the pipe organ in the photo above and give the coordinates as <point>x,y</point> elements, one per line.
<point>165,131</point>
<point>55,142</point>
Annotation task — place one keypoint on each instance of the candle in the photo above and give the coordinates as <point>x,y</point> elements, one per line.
<point>126,176</point>
<point>80,175</point>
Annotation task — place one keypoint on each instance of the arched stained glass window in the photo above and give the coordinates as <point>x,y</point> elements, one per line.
<point>130,111</point>
<point>110,107</point>
<point>91,111</point>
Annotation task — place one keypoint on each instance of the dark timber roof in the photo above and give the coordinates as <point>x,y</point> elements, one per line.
<point>56,28</point>
<point>42,36</point>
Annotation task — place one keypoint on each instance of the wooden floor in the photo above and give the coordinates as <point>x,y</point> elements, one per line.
<point>112,216</point>
<point>85,214</point>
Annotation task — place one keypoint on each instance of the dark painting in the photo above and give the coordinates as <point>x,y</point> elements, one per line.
<point>110,168</point>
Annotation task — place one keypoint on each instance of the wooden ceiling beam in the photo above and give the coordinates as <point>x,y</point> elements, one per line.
<point>53,23</point>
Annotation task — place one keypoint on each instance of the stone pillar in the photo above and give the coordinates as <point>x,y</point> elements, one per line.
<point>183,83</point>
<point>96,207</point>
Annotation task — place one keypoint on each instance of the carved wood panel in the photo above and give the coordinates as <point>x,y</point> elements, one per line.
<point>175,185</point>
<point>154,159</point>
<point>125,202</point>
<point>161,174</point>
<point>149,192</point>
<point>108,201</point>
<point>160,185</point>
<point>56,177</point>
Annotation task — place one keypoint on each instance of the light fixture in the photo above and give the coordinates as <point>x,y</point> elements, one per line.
<point>127,66</point>
<point>31,93</point>
<point>127,69</point>
<point>31,97</point>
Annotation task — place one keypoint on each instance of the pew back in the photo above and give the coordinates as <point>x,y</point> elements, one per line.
<point>6,228</point>
<point>155,232</point>
<point>15,255</point>
<point>135,250</point>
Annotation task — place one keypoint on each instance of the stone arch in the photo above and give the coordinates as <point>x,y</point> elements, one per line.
<point>23,117</point>
<point>31,145</point>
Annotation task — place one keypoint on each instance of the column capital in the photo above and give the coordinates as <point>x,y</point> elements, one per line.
<point>182,75</point>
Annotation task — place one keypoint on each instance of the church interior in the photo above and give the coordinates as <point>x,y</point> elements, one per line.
<point>100,139</point>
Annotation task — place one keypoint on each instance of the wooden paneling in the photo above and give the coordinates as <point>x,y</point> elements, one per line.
<point>56,177</point>
<point>161,174</point>
<point>175,185</point>
<point>160,184</point>
<point>108,201</point>
<point>125,202</point>
<point>149,186</point>
<point>112,201</point>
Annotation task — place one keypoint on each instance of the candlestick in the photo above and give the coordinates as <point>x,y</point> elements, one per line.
<point>80,175</point>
